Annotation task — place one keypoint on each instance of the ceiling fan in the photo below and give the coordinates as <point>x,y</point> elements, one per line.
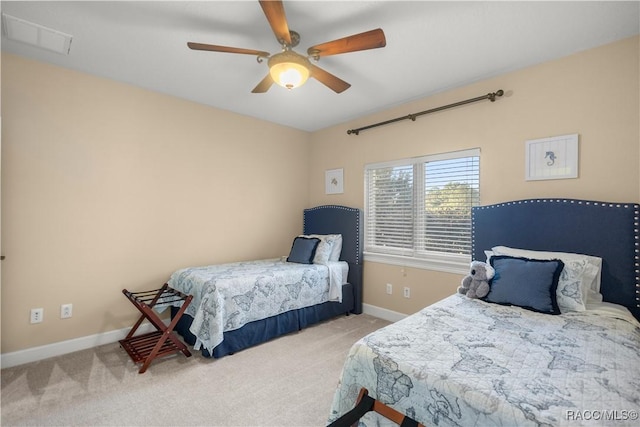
<point>291,69</point>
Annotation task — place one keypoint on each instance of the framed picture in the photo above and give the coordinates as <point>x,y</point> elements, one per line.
<point>552,158</point>
<point>333,181</point>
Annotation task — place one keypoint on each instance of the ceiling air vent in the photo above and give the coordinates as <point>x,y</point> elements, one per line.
<point>35,35</point>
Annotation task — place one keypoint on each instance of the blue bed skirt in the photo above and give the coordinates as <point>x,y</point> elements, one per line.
<point>261,331</point>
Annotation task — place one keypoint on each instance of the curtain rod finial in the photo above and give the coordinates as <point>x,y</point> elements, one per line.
<point>492,96</point>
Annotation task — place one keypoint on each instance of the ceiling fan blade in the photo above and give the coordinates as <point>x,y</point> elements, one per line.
<point>329,80</point>
<point>274,11</point>
<point>216,48</point>
<point>264,85</point>
<point>368,40</point>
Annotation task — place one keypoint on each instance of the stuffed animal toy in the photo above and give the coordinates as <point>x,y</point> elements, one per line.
<point>476,284</point>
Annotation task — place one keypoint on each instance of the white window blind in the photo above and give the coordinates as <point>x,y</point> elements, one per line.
<point>421,207</point>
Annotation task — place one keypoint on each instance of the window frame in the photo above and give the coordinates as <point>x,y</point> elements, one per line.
<point>430,260</point>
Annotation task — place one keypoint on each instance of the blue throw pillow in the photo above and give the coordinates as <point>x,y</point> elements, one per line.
<point>526,283</point>
<point>303,250</point>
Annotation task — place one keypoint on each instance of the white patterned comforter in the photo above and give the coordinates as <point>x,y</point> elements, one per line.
<point>464,362</point>
<point>228,296</point>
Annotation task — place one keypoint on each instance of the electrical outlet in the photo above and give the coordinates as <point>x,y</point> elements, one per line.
<point>66,310</point>
<point>407,292</point>
<point>389,288</point>
<point>37,315</point>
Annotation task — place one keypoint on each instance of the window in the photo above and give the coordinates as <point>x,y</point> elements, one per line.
<point>418,210</point>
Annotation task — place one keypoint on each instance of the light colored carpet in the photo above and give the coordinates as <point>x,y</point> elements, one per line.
<point>289,381</point>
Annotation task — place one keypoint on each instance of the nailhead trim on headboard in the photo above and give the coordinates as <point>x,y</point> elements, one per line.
<point>636,229</point>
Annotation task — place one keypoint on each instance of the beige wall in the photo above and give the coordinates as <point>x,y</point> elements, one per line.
<point>594,93</point>
<point>107,186</point>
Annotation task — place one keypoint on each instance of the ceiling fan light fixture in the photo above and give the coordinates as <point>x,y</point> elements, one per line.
<point>289,69</point>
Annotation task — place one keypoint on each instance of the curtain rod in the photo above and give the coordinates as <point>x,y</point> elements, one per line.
<point>412,117</point>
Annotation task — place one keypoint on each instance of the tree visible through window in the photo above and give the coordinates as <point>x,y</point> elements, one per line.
<point>421,207</point>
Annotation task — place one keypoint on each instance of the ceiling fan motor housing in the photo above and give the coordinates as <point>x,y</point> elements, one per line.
<point>295,39</point>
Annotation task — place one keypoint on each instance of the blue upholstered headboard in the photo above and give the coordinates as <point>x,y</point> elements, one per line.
<point>607,230</point>
<point>335,219</point>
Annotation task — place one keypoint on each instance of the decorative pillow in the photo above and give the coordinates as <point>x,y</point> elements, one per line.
<point>329,244</point>
<point>303,250</point>
<point>526,283</point>
<point>573,286</point>
<point>581,273</point>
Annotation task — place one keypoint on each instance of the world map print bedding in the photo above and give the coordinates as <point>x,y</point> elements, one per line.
<point>465,362</point>
<point>228,296</point>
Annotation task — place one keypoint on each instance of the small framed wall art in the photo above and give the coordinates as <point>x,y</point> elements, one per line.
<point>334,181</point>
<point>552,158</point>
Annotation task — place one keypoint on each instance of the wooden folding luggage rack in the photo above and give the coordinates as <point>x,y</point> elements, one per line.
<point>163,341</point>
<point>366,403</point>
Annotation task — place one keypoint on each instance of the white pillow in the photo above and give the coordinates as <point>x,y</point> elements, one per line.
<point>336,248</point>
<point>579,281</point>
<point>488,254</point>
<point>326,248</point>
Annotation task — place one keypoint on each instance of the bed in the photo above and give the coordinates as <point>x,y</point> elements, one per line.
<point>464,362</point>
<point>239,305</point>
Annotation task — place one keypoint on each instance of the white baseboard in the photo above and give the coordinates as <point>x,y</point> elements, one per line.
<point>34,354</point>
<point>382,313</point>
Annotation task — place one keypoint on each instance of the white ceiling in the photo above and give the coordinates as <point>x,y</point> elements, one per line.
<point>431,46</point>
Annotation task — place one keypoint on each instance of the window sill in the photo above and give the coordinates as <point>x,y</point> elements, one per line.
<point>447,264</point>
